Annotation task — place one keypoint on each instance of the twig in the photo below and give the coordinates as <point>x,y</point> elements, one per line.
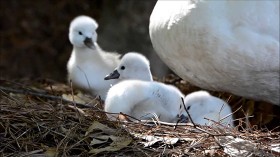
<point>123,114</point>
<point>188,112</point>
<point>196,126</point>
<point>55,132</point>
<point>168,124</point>
<point>75,105</point>
<point>16,83</point>
<point>33,93</point>
<point>144,121</point>
<point>231,113</point>
<point>32,152</point>
<point>195,143</point>
<point>218,123</point>
<point>147,121</point>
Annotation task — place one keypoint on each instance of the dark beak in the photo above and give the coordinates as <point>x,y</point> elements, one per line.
<point>114,75</point>
<point>88,42</point>
<point>183,118</point>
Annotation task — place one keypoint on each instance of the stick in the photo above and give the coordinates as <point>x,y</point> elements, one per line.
<point>148,121</point>
<point>231,113</point>
<point>196,126</point>
<point>188,112</point>
<point>34,93</point>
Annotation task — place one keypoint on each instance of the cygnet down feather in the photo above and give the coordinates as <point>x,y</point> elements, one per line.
<point>201,105</point>
<point>144,100</point>
<point>88,63</point>
<point>132,66</point>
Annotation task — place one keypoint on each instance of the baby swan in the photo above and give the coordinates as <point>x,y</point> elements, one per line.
<point>88,63</point>
<point>137,95</point>
<point>144,100</point>
<point>202,105</point>
<point>132,66</point>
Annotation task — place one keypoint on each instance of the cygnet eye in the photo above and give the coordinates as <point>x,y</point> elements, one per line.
<point>188,108</point>
<point>80,33</point>
<point>122,67</point>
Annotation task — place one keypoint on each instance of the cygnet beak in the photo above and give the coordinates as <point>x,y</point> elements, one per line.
<point>88,42</point>
<point>114,75</point>
<point>183,118</point>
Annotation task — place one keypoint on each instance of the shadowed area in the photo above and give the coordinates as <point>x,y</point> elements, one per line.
<point>34,34</point>
<point>39,117</point>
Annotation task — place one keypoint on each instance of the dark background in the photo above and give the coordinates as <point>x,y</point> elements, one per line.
<point>34,39</point>
<point>34,34</point>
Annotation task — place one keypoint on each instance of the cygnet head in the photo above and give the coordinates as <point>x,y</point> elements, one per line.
<point>133,66</point>
<point>202,105</point>
<point>82,32</point>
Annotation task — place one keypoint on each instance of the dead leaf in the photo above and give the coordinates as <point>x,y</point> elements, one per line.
<point>151,140</point>
<point>75,98</point>
<point>98,126</point>
<point>275,147</point>
<point>266,113</point>
<point>77,109</point>
<point>58,87</point>
<point>51,152</point>
<point>119,142</point>
<point>99,139</point>
<point>237,146</point>
<point>250,107</point>
<point>17,96</point>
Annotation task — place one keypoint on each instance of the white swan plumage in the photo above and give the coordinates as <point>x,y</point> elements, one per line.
<point>143,100</point>
<point>227,45</point>
<point>132,66</point>
<point>88,63</point>
<point>201,105</point>
<point>137,95</point>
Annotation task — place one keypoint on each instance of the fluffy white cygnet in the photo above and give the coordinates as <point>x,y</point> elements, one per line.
<point>202,105</point>
<point>132,66</point>
<point>88,63</point>
<point>144,100</point>
<point>221,45</point>
<point>137,95</point>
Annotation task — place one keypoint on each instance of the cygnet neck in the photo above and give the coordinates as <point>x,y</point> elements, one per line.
<point>83,53</point>
<point>147,76</point>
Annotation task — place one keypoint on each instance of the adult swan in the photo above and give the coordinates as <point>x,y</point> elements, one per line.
<point>224,45</point>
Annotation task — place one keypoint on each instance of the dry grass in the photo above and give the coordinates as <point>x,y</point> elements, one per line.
<point>36,121</point>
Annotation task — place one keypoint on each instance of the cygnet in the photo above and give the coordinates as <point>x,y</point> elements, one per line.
<point>144,100</point>
<point>132,66</point>
<point>201,105</point>
<point>88,63</point>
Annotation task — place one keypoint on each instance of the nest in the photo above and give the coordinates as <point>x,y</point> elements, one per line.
<point>40,118</point>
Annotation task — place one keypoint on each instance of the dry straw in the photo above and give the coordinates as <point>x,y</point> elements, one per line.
<point>37,120</point>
